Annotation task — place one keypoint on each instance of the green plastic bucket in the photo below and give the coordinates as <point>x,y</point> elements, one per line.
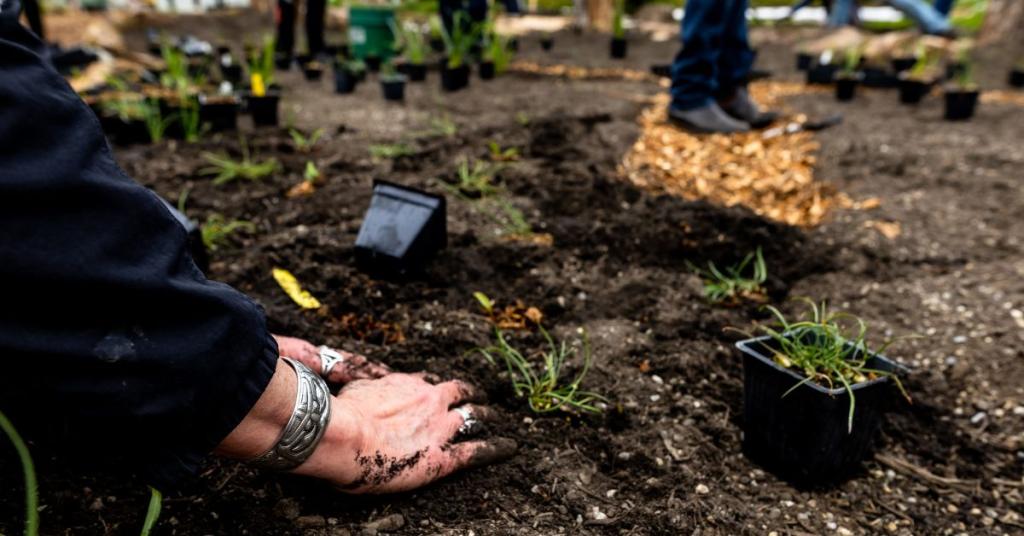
<point>369,31</point>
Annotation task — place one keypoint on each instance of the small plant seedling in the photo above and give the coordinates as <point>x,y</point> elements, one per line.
<point>311,174</point>
<point>851,61</point>
<point>523,119</point>
<point>228,170</point>
<point>410,41</point>
<point>496,47</point>
<point>502,155</point>
<point>733,284</point>
<point>29,471</point>
<point>191,124</point>
<point>926,67</point>
<point>217,230</point>
<point>476,181</point>
<point>304,143</point>
<point>513,221</point>
<point>545,390</point>
<point>826,351</point>
<point>618,28</point>
<point>388,151</point>
<point>261,66</point>
<point>443,126</point>
<point>156,123</point>
<point>510,317</point>
<point>460,41</point>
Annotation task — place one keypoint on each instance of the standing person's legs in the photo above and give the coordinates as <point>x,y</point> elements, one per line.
<point>695,71</point>
<point>477,11</point>
<point>842,13</point>
<point>945,7</point>
<point>734,66</point>
<point>315,26</point>
<point>285,16</point>
<point>930,20</point>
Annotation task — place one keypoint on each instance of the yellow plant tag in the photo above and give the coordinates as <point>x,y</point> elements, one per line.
<point>258,88</point>
<point>290,285</point>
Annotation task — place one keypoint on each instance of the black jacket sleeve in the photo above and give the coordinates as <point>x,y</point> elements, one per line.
<point>108,331</point>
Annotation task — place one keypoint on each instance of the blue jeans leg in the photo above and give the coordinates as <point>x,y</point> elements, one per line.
<point>930,20</point>
<point>945,7</point>
<point>715,51</point>
<point>842,13</point>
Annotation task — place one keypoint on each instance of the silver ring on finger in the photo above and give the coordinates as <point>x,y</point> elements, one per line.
<point>468,421</point>
<point>328,358</point>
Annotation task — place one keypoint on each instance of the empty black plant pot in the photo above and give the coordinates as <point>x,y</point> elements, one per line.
<point>393,87</point>
<point>821,74</point>
<point>454,78</point>
<point>486,70</point>
<point>219,111</point>
<point>547,43</point>
<point>846,86</point>
<point>804,61</point>
<point>803,436</point>
<point>904,63</point>
<point>618,49</point>
<point>263,109</point>
<point>960,104</point>
<point>313,72</point>
<point>345,81</point>
<point>913,90</point>
<point>417,72</point>
<point>403,229</point>
<point>1017,78</point>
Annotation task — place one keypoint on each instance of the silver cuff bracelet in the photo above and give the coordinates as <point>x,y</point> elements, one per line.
<point>306,426</point>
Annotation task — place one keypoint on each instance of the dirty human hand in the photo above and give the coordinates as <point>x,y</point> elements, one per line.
<point>401,432</point>
<point>351,366</point>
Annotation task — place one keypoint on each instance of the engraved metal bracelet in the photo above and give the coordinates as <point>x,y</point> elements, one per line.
<point>306,426</point>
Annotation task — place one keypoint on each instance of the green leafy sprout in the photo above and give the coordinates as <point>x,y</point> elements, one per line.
<point>476,180</point>
<point>261,61</point>
<point>733,283</point>
<point>443,126</point>
<point>459,41</point>
<point>191,123</point>
<point>618,28</point>
<point>545,390</point>
<point>156,123</point>
<point>496,47</point>
<point>226,170</point>
<point>217,230</point>
<point>502,155</point>
<point>410,41</point>
<point>852,61</point>
<point>29,471</point>
<point>827,352</point>
<point>311,173</point>
<point>388,151</point>
<point>304,143</point>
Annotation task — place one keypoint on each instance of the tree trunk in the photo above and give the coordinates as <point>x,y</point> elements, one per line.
<point>1004,20</point>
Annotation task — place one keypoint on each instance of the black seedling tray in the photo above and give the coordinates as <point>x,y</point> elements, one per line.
<point>803,437</point>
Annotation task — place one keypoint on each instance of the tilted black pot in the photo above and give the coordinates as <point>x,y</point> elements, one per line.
<point>393,87</point>
<point>960,104</point>
<point>618,48</point>
<point>801,433</point>
<point>486,70</point>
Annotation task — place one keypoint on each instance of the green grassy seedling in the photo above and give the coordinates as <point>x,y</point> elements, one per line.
<point>498,154</point>
<point>742,281</point>
<point>388,151</point>
<point>217,230</point>
<point>304,143</point>
<point>226,170</point>
<point>829,348</point>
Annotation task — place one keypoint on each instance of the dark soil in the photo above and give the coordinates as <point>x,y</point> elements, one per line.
<point>665,458</point>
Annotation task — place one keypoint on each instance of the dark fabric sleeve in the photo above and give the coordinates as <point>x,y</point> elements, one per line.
<point>108,331</point>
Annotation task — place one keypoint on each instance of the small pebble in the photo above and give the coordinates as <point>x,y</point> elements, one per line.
<point>701,489</point>
<point>978,417</point>
<point>310,522</point>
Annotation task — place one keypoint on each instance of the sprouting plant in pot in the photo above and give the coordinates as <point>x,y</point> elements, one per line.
<point>917,82</point>
<point>191,122</point>
<point>814,394</point>
<point>413,46</point>
<point>458,46</point>
<point>347,74</point>
<point>226,170</point>
<point>618,46</point>
<point>261,63</point>
<point>305,143</point>
<point>962,95</point>
<point>850,75</point>
<point>436,30</point>
<point>545,390</point>
<point>262,99</point>
<point>743,281</point>
<point>392,83</point>
<point>389,151</point>
<point>156,122</point>
<point>509,154</point>
<point>495,53</point>
<point>217,230</point>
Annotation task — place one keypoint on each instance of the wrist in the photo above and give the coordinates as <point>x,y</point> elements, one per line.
<point>335,458</point>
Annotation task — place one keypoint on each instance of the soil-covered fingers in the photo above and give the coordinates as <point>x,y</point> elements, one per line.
<point>468,420</point>
<point>299,350</point>
<point>458,392</point>
<point>351,366</point>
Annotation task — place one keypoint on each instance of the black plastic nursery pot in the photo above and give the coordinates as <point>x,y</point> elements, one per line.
<point>313,72</point>
<point>547,43</point>
<point>846,87</point>
<point>219,111</point>
<point>393,88</point>
<point>903,63</point>
<point>417,72</point>
<point>403,229</point>
<point>912,91</point>
<point>486,70</point>
<point>821,74</point>
<point>804,61</point>
<point>960,105</point>
<point>1016,78</point>
<point>454,78</point>
<point>618,48</point>
<point>263,109</point>
<point>345,81</point>
<point>803,436</point>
